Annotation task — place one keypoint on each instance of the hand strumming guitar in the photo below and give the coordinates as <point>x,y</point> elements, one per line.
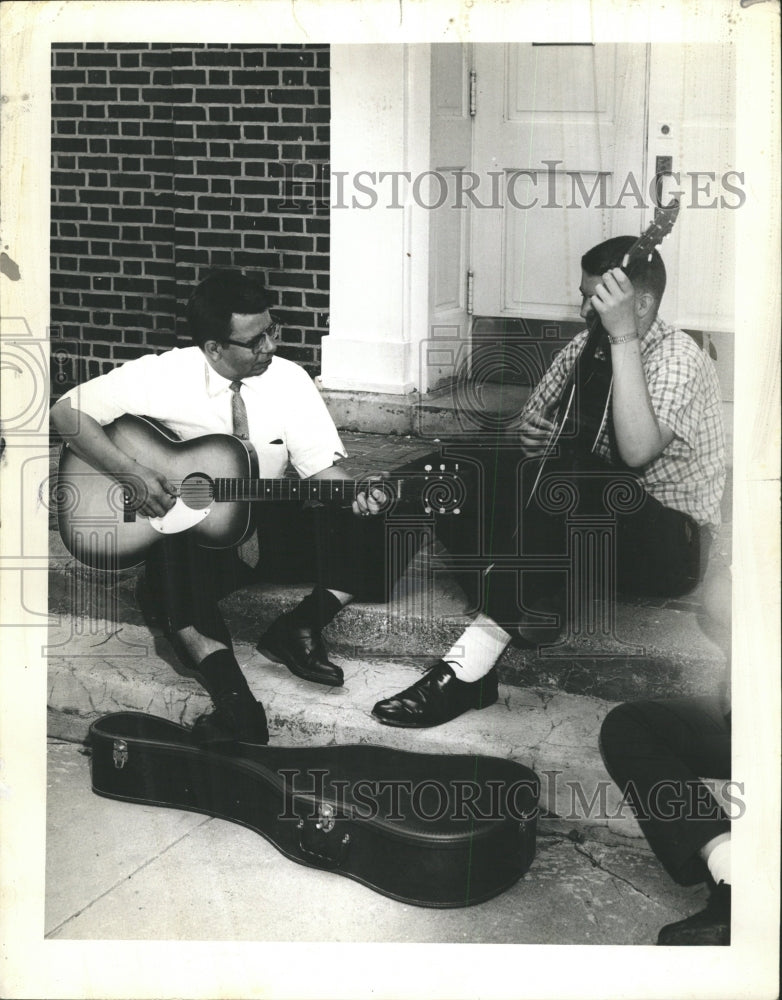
<point>149,492</point>
<point>535,433</point>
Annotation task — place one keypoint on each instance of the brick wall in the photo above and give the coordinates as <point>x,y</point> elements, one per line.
<point>171,159</point>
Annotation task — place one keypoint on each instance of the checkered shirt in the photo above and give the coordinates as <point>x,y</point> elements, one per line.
<point>689,475</point>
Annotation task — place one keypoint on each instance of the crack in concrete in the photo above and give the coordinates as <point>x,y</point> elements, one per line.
<point>125,878</point>
<point>596,863</point>
<point>111,635</point>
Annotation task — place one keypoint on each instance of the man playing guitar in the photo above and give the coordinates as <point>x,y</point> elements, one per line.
<point>229,382</point>
<point>656,436</point>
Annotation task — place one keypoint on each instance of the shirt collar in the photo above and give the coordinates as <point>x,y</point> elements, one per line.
<point>656,333</point>
<point>216,383</point>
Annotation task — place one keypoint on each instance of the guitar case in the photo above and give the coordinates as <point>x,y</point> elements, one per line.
<point>428,829</point>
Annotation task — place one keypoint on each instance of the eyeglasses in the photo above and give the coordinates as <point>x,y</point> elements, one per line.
<point>272,333</point>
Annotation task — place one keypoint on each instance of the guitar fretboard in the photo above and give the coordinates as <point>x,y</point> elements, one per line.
<point>323,490</point>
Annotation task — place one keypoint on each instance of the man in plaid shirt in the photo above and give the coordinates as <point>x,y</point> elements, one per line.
<point>656,464</point>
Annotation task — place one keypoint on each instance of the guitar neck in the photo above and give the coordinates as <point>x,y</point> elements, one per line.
<point>322,490</point>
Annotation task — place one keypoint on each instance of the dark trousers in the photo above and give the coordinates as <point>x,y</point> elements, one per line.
<point>656,752</point>
<point>315,545</point>
<point>505,541</point>
<point>519,541</point>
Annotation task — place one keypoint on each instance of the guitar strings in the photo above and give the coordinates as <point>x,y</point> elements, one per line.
<point>553,438</point>
<point>605,414</point>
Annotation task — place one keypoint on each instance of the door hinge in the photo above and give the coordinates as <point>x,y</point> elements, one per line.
<point>470,277</point>
<point>473,92</point>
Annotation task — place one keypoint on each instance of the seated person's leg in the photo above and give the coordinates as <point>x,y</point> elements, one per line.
<point>478,538</point>
<point>657,752</point>
<point>345,555</point>
<point>184,582</point>
<point>662,552</point>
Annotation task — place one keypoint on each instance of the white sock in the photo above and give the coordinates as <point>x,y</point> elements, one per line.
<point>477,650</point>
<point>718,862</point>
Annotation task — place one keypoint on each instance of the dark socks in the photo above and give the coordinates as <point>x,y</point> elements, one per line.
<point>221,674</point>
<point>317,609</point>
<point>237,715</point>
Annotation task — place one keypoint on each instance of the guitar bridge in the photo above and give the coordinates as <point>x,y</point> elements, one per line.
<point>128,512</point>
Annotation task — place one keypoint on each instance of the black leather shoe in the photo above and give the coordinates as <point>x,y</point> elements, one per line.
<point>708,927</point>
<point>302,650</point>
<point>437,698</point>
<point>234,719</point>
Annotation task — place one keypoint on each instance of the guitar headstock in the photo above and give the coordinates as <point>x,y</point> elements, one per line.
<point>437,489</point>
<point>662,224</point>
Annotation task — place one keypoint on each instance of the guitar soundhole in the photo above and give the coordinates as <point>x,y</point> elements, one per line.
<point>197,491</point>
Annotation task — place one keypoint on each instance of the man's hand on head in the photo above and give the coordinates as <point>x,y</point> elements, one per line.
<point>614,302</point>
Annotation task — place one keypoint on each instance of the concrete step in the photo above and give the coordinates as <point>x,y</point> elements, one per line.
<point>630,650</point>
<point>463,408</point>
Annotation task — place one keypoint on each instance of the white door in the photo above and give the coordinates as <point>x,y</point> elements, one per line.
<point>446,348</point>
<point>560,131</point>
<point>692,122</point>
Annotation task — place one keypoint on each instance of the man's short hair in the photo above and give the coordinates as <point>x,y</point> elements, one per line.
<point>221,294</point>
<point>647,275</point>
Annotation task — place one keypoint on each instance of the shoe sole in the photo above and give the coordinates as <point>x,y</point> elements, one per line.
<point>290,664</point>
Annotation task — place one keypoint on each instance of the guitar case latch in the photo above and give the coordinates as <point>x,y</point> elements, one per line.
<point>321,841</point>
<point>120,754</point>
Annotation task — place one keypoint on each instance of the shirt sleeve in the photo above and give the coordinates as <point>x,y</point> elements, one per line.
<point>312,438</point>
<point>674,379</point>
<point>130,388</point>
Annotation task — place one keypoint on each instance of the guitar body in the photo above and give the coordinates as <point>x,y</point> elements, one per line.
<point>216,477</point>
<point>101,530</point>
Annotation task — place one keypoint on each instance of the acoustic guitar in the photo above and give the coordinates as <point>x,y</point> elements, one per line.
<point>216,477</point>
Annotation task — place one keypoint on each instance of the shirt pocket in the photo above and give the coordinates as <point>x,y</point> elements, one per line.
<point>272,452</point>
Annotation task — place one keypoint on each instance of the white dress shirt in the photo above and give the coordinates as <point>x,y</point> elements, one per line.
<point>287,418</point>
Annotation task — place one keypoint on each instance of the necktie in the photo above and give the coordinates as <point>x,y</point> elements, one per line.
<point>248,551</point>
<point>239,412</point>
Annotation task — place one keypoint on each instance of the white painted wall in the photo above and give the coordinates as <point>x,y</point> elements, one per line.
<point>380,98</point>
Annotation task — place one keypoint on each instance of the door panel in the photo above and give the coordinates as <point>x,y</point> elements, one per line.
<point>692,120</point>
<point>564,126</point>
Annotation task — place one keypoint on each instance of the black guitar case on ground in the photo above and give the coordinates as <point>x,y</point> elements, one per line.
<point>429,829</point>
